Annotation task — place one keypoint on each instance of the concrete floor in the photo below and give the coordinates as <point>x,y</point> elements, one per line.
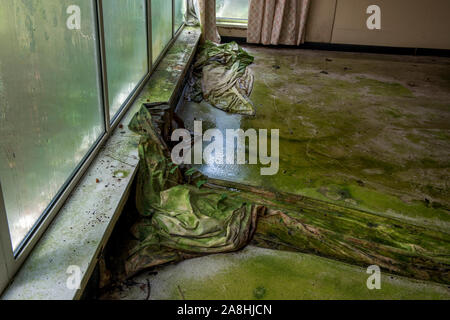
<point>366,131</point>
<point>260,274</point>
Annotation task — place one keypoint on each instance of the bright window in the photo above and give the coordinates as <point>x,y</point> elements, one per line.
<point>180,10</point>
<point>232,11</point>
<point>126,48</point>
<point>161,26</point>
<point>65,67</point>
<point>50,104</point>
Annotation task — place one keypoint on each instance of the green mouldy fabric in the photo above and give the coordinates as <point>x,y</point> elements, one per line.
<point>221,77</point>
<point>154,173</point>
<point>179,220</point>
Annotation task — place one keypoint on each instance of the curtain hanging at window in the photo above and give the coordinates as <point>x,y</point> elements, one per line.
<point>206,12</point>
<point>273,22</point>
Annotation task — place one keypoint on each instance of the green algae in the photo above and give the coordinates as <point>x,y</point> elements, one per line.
<point>121,174</point>
<point>394,113</point>
<point>348,131</point>
<point>164,80</point>
<point>330,130</point>
<point>308,225</point>
<point>385,89</point>
<point>259,293</point>
<point>272,275</point>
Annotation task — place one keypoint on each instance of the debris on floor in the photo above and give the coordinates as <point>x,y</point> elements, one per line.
<point>348,190</point>
<point>181,220</point>
<point>359,138</point>
<point>221,77</point>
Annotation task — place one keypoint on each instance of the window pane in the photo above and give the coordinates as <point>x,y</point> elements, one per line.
<point>3,271</point>
<point>232,10</point>
<point>180,10</point>
<point>126,48</point>
<point>161,26</point>
<point>50,108</point>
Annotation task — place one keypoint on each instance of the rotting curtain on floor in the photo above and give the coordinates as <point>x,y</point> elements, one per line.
<point>222,78</point>
<point>184,214</point>
<point>275,22</point>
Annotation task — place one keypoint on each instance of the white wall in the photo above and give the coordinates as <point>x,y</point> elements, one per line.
<point>404,23</point>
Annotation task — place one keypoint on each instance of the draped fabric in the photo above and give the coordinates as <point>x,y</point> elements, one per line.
<point>206,10</point>
<point>274,22</point>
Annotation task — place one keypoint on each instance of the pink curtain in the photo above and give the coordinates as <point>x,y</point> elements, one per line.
<point>273,22</point>
<point>207,12</point>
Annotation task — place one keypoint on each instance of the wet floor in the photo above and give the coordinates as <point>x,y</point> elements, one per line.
<point>263,274</point>
<point>366,131</point>
<point>371,132</point>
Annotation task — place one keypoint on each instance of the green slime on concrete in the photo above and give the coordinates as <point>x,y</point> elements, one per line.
<point>357,131</point>
<point>274,275</point>
<point>262,274</point>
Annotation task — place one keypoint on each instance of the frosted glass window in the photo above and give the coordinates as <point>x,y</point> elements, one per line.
<point>180,10</point>
<point>125,26</point>
<point>232,10</point>
<point>161,26</point>
<point>3,271</point>
<point>50,107</point>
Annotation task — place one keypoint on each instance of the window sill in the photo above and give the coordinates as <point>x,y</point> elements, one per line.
<point>83,226</point>
<point>232,29</point>
<point>237,25</point>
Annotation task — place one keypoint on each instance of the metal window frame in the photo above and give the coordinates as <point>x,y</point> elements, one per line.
<point>175,34</point>
<point>10,261</point>
<point>176,29</point>
<point>4,238</point>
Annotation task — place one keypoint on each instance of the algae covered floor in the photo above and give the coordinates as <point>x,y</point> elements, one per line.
<point>367,131</point>
<point>264,274</point>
